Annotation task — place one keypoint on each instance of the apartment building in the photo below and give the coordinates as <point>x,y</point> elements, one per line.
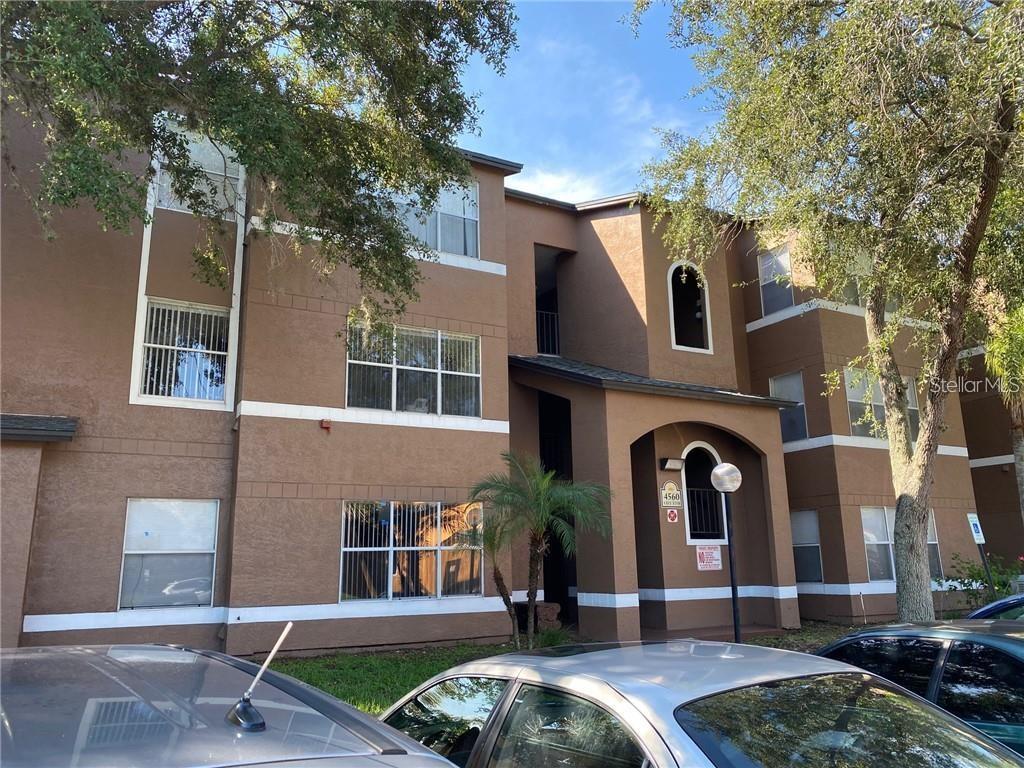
<point>184,463</point>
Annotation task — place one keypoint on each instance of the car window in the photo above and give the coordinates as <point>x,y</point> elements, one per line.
<point>983,684</point>
<point>551,728</point>
<point>852,720</point>
<point>448,717</point>
<point>906,661</point>
<point>1013,613</point>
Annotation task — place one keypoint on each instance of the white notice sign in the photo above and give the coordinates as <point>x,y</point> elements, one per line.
<point>972,520</point>
<point>709,557</point>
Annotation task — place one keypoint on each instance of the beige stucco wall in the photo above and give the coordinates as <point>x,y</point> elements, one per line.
<point>19,467</point>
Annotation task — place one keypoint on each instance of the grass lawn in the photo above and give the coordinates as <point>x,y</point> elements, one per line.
<point>374,680</point>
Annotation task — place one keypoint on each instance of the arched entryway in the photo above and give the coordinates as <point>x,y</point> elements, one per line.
<point>683,551</point>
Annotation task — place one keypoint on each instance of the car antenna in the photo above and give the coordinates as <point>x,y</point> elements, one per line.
<point>243,714</point>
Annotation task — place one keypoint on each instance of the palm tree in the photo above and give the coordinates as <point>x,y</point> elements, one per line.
<point>532,500</point>
<point>1004,358</point>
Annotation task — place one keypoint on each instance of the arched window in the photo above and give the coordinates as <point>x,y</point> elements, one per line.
<point>703,505</point>
<point>688,305</point>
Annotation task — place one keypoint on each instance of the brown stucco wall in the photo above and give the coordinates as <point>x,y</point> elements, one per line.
<point>527,224</point>
<point>19,466</point>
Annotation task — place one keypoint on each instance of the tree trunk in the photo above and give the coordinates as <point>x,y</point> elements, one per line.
<point>506,598</point>
<point>1018,464</point>
<point>536,553</point>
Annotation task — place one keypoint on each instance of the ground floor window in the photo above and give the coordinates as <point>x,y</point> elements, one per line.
<point>878,523</point>
<point>806,544</point>
<point>170,548</point>
<point>402,549</point>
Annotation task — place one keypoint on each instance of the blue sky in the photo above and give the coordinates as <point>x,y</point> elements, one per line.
<point>581,98</point>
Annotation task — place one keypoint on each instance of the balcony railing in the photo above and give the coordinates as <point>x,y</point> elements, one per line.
<point>547,333</point>
<point>705,511</point>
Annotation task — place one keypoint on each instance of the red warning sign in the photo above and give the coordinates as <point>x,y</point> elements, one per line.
<point>672,515</point>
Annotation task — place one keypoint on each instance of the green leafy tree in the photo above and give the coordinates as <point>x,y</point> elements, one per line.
<point>1004,358</point>
<point>882,140</point>
<point>334,109</point>
<point>533,501</point>
<point>496,538</point>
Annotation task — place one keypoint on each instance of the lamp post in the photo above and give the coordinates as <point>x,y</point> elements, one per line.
<point>726,479</point>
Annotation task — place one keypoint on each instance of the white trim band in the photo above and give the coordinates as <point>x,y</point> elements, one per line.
<point>447,259</point>
<point>860,588</point>
<point>351,609</point>
<point>370,416</point>
<point>716,593</point>
<point>991,461</point>
<point>608,599</point>
<point>856,441</point>
<point>809,306</point>
<point>519,595</point>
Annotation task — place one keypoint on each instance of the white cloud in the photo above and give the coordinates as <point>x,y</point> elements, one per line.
<point>569,186</point>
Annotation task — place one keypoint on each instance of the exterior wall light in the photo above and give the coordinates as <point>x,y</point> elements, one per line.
<point>676,465</point>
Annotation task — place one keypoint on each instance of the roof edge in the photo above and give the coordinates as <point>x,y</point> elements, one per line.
<point>529,197</point>
<point>615,201</point>
<point>507,166</point>
<point>721,396</point>
<point>37,428</point>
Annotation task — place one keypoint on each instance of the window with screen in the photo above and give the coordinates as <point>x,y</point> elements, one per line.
<point>416,370</point>
<point>878,524</point>
<point>867,411</point>
<point>806,544</point>
<point>170,547</point>
<point>453,226</point>
<point>223,174</point>
<point>184,351</point>
<point>398,549</point>
<point>775,278</point>
<point>790,386</point>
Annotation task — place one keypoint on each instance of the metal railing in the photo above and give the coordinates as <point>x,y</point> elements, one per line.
<point>547,333</point>
<point>704,506</point>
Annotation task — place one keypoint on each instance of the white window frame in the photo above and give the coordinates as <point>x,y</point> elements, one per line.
<point>821,563</point>
<point>218,177</point>
<point>861,375</point>
<point>686,501</point>
<point>475,186</point>
<point>141,398</point>
<point>439,371</point>
<point>672,309</point>
<point>213,568</point>
<point>391,549</point>
<point>135,396</point>
<point>891,543</point>
<point>761,281</point>
<point>802,402</point>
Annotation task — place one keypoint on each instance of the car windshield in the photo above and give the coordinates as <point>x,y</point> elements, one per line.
<point>834,721</point>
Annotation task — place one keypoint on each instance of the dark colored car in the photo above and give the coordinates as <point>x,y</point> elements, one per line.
<point>971,668</point>
<point>1009,608</point>
<point>146,705</point>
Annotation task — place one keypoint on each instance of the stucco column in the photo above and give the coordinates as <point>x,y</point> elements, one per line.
<point>780,542</point>
<point>19,466</point>
<point>609,604</point>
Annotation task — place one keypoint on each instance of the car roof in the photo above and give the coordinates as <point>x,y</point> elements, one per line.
<point>666,674</point>
<point>122,705</point>
<point>959,628</point>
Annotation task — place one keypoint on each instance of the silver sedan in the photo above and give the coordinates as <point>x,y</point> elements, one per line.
<point>682,703</point>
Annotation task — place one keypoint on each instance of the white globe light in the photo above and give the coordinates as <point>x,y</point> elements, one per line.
<point>726,477</point>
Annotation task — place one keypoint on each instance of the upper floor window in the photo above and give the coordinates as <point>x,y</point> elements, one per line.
<point>416,370</point>
<point>688,307</point>
<point>184,351</point>
<point>454,226</point>
<point>775,277</point>
<point>169,550</point>
<point>223,173</point>
<point>790,386</point>
<point>855,294</point>
<point>860,402</point>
